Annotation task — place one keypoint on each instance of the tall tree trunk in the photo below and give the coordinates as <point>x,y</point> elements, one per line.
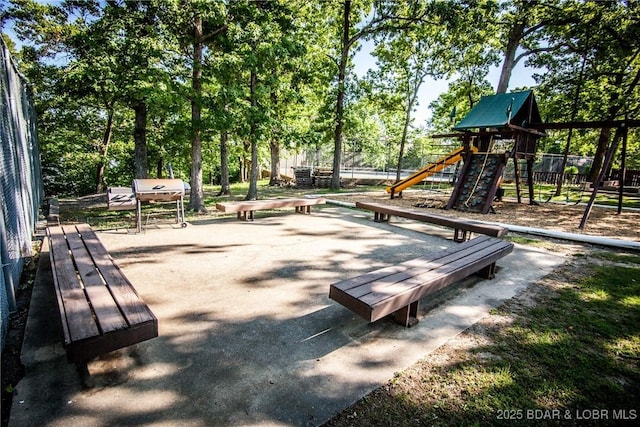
<point>274,145</point>
<point>196,200</point>
<point>106,140</point>
<point>598,157</point>
<point>339,119</point>
<point>275,162</point>
<point>515,36</point>
<point>244,162</point>
<point>411,100</point>
<point>574,114</point>
<point>605,134</point>
<point>159,168</point>
<point>253,179</point>
<point>225,186</point>
<point>140,140</point>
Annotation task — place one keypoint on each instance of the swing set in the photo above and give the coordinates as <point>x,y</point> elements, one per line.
<point>514,118</point>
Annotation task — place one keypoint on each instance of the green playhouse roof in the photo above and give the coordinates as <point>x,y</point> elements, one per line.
<point>495,111</point>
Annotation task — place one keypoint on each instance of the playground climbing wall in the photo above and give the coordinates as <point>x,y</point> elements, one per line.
<point>477,186</point>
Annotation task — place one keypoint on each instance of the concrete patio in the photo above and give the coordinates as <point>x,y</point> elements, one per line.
<point>247,333</point>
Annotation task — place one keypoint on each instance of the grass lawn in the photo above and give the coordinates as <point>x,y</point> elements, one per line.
<point>100,218</point>
<point>567,353</point>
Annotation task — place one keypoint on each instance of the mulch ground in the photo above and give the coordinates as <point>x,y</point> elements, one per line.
<point>604,222</point>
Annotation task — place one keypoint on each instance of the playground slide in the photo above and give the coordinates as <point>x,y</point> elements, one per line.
<point>447,160</point>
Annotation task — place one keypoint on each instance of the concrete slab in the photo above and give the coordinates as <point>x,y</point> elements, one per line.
<point>247,333</point>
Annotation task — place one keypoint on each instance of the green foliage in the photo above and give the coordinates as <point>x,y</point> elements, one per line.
<point>90,60</point>
<point>571,170</point>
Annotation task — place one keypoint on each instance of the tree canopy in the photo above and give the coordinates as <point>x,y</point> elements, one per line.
<point>222,90</point>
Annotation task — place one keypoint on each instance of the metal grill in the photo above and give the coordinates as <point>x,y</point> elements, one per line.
<point>159,190</point>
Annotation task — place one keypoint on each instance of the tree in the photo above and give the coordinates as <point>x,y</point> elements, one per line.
<point>521,23</point>
<point>606,35</point>
<point>407,57</point>
<point>216,23</point>
<point>264,43</point>
<point>360,20</point>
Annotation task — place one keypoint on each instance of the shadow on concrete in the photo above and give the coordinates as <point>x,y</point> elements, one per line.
<point>248,335</point>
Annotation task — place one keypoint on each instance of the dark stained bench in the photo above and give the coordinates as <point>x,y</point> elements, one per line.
<point>245,209</point>
<point>462,227</point>
<point>99,308</point>
<point>53,212</point>
<point>398,289</point>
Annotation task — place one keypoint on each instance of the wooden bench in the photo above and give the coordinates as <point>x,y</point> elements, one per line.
<point>462,228</point>
<point>245,209</point>
<point>398,289</point>
<point>53,212</point>
<point>99,308</point>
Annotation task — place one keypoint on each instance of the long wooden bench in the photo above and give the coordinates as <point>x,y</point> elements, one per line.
<point>398,289</point>
<point>462,227</point>
<point>99,308</point>
<point>53,212</point>
<point>245,209</point>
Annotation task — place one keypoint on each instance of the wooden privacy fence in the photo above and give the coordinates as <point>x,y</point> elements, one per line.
<point>631,177</point>
<point>552,178</point>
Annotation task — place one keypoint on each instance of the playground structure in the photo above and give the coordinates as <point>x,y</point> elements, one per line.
<point>514,118</point>
<point>443,162</point>
<point>491,120</point>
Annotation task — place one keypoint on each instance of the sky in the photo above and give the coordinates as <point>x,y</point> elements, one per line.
<point>431,89</point>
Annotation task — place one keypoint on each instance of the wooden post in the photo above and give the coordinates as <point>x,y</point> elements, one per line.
<point>517,176</point>
<point>623,168</point>
<point>530,180</point>
<point>608,158</point>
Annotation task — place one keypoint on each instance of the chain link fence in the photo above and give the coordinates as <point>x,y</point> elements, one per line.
<point>21,191</point>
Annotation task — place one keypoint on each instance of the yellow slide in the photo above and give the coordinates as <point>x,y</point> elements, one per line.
<point>448,160</point>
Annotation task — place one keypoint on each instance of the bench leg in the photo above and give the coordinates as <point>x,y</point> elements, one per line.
<point>85,376</point>
<point>407,316</point>
<point>460,235</point>
<point>489,272</point>
<point>380,217</point>
<point>243,215</point>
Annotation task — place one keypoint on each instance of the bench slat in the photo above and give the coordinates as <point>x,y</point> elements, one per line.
<point>71,297</point>
<point>412,267</point>
<point>108,316</point>
<point>446,221</point>
<point>381,292</point>
<point>416,287</point>
<point>128,301</point>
